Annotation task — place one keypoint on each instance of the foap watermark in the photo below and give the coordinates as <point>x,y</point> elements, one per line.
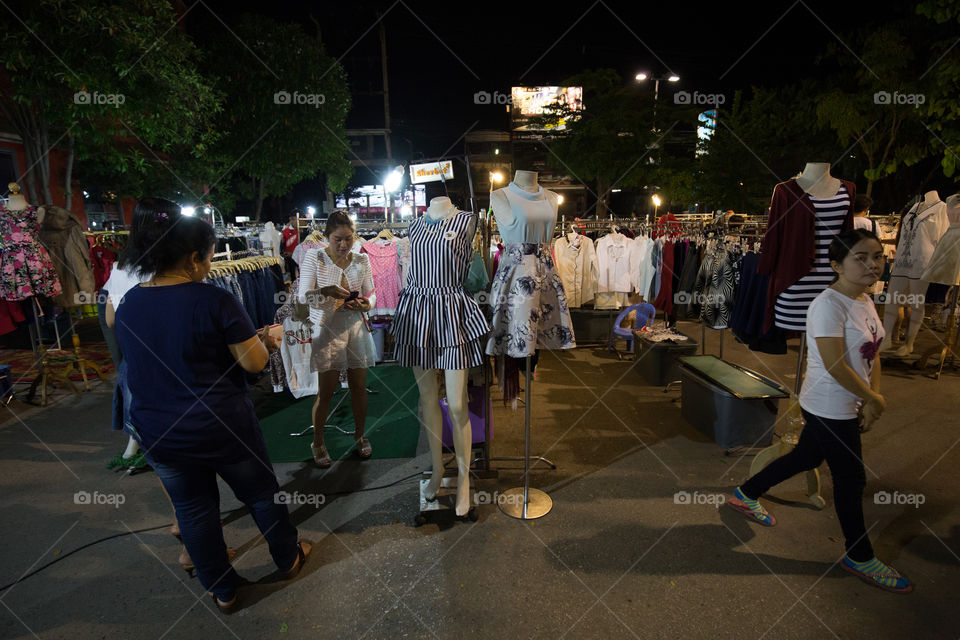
<point>699,298</point>
<point>897,98</point>
<point>316,500</point>
<point>85,498</point>
<point>311,298</point>
<point>900,299</point>
<point>485,97</point>
<point>685,497</point>
<point>310,99</point>
<point>87,297</point>
<point>897,498</point>
<point>97,98</point>
<point>695,98</point>
<point>485,497</point>
<point>485,297</point>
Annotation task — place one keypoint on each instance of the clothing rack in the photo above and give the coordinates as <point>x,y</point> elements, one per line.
<point>253,263</point>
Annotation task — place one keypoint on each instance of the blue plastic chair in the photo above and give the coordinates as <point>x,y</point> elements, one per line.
<point>645,313</point>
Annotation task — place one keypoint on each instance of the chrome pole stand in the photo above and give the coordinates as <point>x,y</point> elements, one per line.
<point>327,426</point>
<point>525,503</point>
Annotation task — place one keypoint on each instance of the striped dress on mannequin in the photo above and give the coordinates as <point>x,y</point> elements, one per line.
<point>791,306</point>
<point>438,325</point>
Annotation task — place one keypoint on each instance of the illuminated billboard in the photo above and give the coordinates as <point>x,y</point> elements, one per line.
<point>531,101</point>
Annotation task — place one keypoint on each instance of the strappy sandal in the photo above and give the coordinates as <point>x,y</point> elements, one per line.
<point>364,450</point>
<point>303,550</point>
<point>882,576</point>
<point>320,456</point>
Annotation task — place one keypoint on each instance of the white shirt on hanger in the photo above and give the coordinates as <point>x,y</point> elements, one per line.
<point>614,254</point>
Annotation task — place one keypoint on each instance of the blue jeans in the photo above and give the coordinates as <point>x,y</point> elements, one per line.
<point>193,490</point>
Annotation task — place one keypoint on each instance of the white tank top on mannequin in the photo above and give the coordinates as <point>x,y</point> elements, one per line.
<point>534,216</point>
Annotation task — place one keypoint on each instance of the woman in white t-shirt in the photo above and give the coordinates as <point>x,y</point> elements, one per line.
<point>840,398</point>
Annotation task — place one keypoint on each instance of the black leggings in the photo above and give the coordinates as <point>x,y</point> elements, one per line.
<point>837,442</point>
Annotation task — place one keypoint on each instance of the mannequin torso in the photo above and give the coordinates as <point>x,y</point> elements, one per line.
<point>816,180</point>
<point>525,211</point>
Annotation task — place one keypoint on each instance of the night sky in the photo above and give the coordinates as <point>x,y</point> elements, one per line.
<point>440,54</point>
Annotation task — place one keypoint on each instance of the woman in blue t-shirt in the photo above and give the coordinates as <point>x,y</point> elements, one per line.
<point>840,397</point>
<point>186,347</point>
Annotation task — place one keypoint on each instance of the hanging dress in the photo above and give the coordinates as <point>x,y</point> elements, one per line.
<point>25,266</point>
<point>438,325</point>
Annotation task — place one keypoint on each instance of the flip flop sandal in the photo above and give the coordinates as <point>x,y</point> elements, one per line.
<point>901,585</point>
<point>756,516</point>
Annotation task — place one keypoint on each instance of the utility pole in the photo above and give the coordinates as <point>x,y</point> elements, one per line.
<point>386,88</point>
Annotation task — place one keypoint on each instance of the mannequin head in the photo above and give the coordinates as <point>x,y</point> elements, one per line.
<point>15,201</point>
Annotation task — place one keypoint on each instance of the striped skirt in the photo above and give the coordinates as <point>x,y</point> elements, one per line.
<point>438,328</point>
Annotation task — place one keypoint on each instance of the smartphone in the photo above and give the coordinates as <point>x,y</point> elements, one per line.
<point>353,295</point>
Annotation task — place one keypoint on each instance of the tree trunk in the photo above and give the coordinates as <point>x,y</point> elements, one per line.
<point>601,199</point>
<point>258,199</point>
<point>44,154</point>
<point>19,116</point>
<point>68,177</point>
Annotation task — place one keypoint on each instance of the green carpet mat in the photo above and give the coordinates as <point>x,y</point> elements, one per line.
<point>392,426</point>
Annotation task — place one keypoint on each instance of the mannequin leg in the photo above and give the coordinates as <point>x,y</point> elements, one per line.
<point>456,381</point>
<point>897,291</point>
<point>918,289</point>
<point>433,422</point>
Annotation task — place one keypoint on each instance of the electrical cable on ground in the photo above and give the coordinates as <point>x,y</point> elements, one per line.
<point>144,530</point>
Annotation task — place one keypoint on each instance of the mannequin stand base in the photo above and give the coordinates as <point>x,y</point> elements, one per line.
<point>778,450</point>
<point>949,352</point>
<point>445,500</point>
<point>538,503</point>
<point>533,460</point>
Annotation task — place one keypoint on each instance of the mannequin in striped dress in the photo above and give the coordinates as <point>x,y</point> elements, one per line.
<point>438,325</point>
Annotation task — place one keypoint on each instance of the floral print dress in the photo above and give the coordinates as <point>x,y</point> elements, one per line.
<point>25,266</point>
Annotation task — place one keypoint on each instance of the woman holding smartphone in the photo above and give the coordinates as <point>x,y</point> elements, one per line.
<point>337,285</point>
<point>840,399</point>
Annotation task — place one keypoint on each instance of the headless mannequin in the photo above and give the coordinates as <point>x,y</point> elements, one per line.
<point>903,289</point>
<point>456,385</point>
<point>526,180</point>
<point>816,180</point>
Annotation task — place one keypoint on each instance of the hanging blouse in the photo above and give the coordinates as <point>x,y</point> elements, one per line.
<point>578,268</point>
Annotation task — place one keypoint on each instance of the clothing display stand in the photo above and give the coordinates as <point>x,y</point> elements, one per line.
<point>950,350</point>
<point>526,503</point>
<point>51,360</point>
<point>310,428</point>
<point>791,438</point>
